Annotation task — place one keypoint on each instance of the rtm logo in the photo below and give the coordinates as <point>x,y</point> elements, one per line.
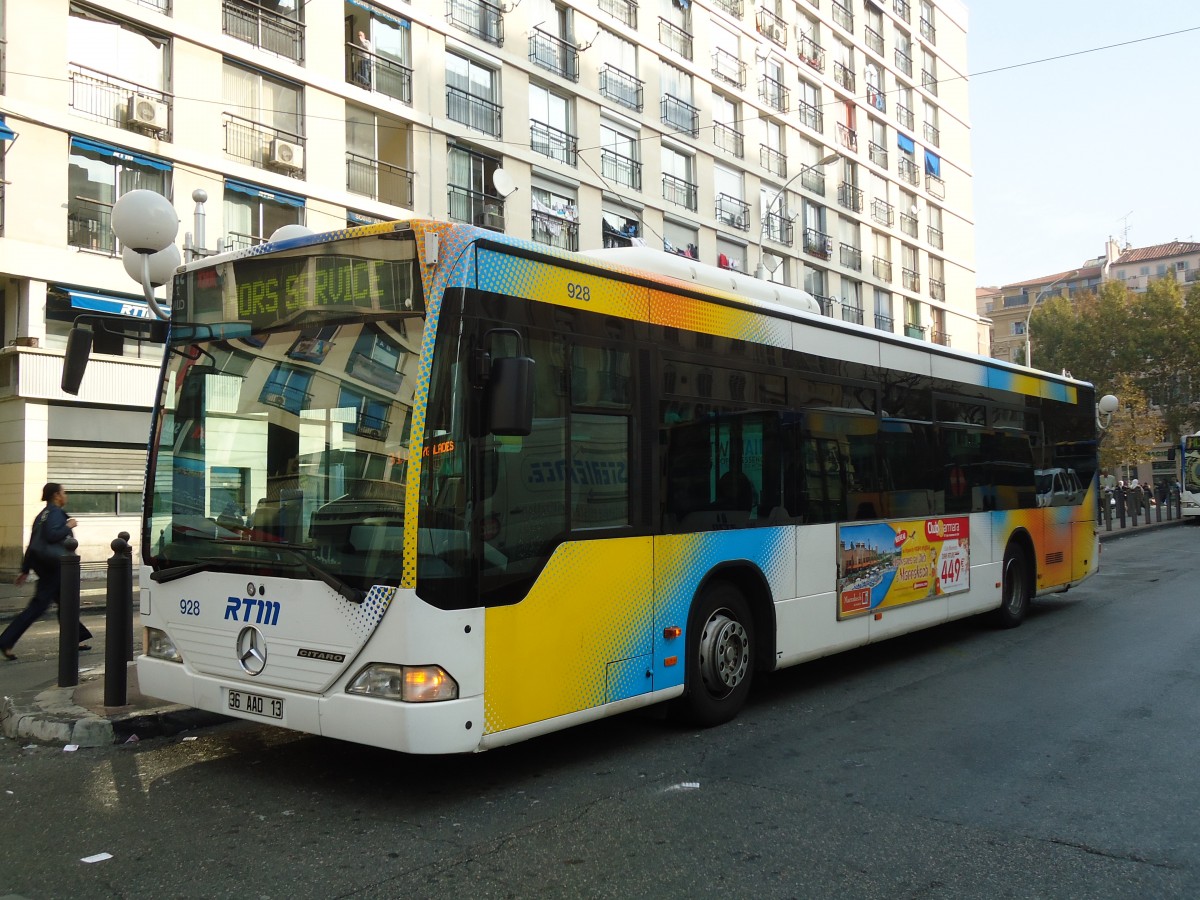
<point>266,612</point>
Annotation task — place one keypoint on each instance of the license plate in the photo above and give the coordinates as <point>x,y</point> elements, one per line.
<point>255,704</point>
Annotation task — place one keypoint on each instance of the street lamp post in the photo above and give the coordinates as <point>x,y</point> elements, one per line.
<point>1032,306</point>
<point>761,271</point>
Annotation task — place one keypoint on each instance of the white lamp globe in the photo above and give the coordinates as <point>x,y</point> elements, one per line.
<point>290,232</point>
<point>162,264</point>
<point>144,220</point>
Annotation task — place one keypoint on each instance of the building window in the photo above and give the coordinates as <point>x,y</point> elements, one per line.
<point>264,124</point>
<point>287,388</point>
<point>731,255</point>
<point>97,174</point>
<point>278,29</point>
<point>551,124</point>
<point>555,215</point>
<point>379,54</point>
<point>620,229</point>
<point>619,155</point>
<point>472,93</point>
<point>682,240</point>
<point>471,195</point>
<point>253,213</point>
<point>679,185</point>
<point>376,359</point>
<point>370,140</point>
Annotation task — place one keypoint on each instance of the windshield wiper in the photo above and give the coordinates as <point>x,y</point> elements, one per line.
<point>353,595</point>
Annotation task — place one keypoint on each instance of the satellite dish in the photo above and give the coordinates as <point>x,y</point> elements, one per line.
<point>503,182</point>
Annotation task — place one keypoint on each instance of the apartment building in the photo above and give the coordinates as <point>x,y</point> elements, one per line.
<point>698,127</point>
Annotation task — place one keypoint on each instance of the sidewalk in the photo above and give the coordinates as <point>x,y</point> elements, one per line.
<point>77,715</point>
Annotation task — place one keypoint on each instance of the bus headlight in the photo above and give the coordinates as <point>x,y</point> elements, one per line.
<point>410,684</point>
<point>160,646</point>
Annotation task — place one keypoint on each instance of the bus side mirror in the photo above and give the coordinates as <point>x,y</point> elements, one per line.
<point>79,350</point>
<point>510,396</point>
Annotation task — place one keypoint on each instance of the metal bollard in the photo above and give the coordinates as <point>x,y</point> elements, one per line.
<point>1157,511</point>
<point>68,615</point>
<point>118,622</point>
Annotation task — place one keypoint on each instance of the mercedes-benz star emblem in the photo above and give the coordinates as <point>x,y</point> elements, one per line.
<point>252,650</point>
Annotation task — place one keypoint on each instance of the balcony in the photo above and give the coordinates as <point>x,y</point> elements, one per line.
<point>825,302</point>
<point>262,146</point>
<point>378,73</point>
<point>772,160</point>
<point>884,323</point>
<point>475,207</point>
<point>680,115</point>
<point>842,16</point>
<point>474,112</point>
<point>115,101</point>
<point>729,139</point>
<point>89,225</point>
<point>817,243</point>
<point>934,236</point>
<point>877,154</point>
<point>675,38</point>
<point>883,212</point>
<point>929,81</point>
<point>735,8</point>
<point>236,240</point>
<point>902,10</point>
<point>621,87</point>
<point>873,40</point>
<point>937,289</point>
<point>913,330</point>
<point>811,116</point>
<point>851,313</point>
<point>908,224</point>
<point>928,31</point>
<point>733,212</point>
<point>553,142</point>
<point>935,186</point>
<point>814,180</point>
<point>771,26</point>
<point>851,258</point>
<point>903,62</point>
<point>263,28</point>
<point>844,76</point>
<point>810,52</point>
<point>847,137</point>
<point>478,17</point>
<point>624,11</point>
<point>729,68</point>
<point>911,279</point>
<point>620,169</point>
<point>680,192</point>
<point>933,136</point>
<point>908,170</point>
<point>554,54</point>
<point>876,98</point>
<point>882,269</point>
<point>904,116</point>
<point>379,180</point>
<point>850,196</point>
<point>778,228</point>
<point>940,337</point>
<point>773,93</point>
<point>554,231</point>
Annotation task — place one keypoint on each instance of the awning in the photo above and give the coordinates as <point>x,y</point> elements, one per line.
<point>111,304</point>
<point>380,14</point>
<point>905,143</point>
<point>933,165</point>
<point>6,133</point>
<point>109,151</point>
<point>261,193</point>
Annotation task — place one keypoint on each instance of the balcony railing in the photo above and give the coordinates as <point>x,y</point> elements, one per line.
<point>937,289</point>
<point>883,212</point>
<point>729,139</point>
<point>929,81</point>
<point>877,154</point>
<point>817,243</point>
<point>850,196</point>
<point>263,28</point>
<point>940,337</point>
<point>261,145</point>
<point>554,231</point>
<point>771,26</point>
<point>814,180</point>
<point>884,323</point>
<point>810,52</point>
<point>778,227</point>
<point>904,116</point>
<point>908,170</point>
<point>908,224</point>
<point>934,236</point>
<point>379,180</point>
<point>774,93</point>
<point>903,62</point>
<point>554,54</point>
<point>114,101</point>
<point>850,257</point>
<point>680,192</point>
<point>932,135</point>
<point>873,40</point>
<point>378,73</point>
<point>624,11</point>
<point>811,116</point>
<point>928,31</point>
<point>876,98</point>
<point>847,137</point>
<point>882,269</point>
<point>621,169</point>
<point>553,142</point>
<point>825,302</point>
<point>902,10</point>
<point>680,115</point>
<point>729,68</point>
<point>89,225</point>
<point>675,38</point>
<point>235,240</point>
<point>843,76</point>
<point>913,330</point>
<point>474,112</point>
<point>911,279</point>
<point>162,6</point>
<point>772,160</point>
<point>733,212</point>
<point>842,16</point>
<point>478,17</point>
<point>935,186</point>
<point>621,87</point>
<point>734,7</point>
<point>475,207</point>
<point>852,313</point>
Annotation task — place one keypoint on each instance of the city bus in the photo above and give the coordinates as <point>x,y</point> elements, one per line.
<point>432,488</point>
<point>1189,476</point>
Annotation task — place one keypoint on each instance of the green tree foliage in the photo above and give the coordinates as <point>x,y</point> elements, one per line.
<point>1135,428</point>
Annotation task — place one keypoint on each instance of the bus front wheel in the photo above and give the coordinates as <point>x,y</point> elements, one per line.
<point>1016,592</point>
<point>720,660</point>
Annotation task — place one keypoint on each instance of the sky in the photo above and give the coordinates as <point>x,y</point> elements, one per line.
<point>1069,152</point>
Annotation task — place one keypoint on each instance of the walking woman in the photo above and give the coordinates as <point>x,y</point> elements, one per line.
<point>51,527</point>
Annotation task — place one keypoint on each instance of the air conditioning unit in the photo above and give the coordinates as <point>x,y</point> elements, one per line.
<point>147,112</point>
<point>285,154</point>
<point>493,220</point>
<point>776,34</point>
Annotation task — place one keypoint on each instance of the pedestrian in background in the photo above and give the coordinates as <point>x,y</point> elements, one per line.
<point>51,528</point>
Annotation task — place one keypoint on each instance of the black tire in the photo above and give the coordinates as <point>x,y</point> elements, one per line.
<point>720,656</point>
<point>1016,591</point>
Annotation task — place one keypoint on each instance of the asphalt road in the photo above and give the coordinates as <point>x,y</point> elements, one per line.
<point>1055,761</point>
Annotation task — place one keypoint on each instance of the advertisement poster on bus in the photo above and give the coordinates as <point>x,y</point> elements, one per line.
<point>885,565</point>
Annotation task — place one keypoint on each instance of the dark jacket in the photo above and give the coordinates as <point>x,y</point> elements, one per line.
<point>45,539</point>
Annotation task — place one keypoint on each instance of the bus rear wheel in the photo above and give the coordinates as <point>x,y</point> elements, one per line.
<point>720,660</point>
<point>1016,593</point>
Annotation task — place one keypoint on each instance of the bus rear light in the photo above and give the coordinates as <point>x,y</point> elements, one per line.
<point>158,645</point>
<point>409,684</point>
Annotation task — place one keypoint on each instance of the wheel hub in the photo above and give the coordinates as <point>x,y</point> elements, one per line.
<point>724,653</point>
